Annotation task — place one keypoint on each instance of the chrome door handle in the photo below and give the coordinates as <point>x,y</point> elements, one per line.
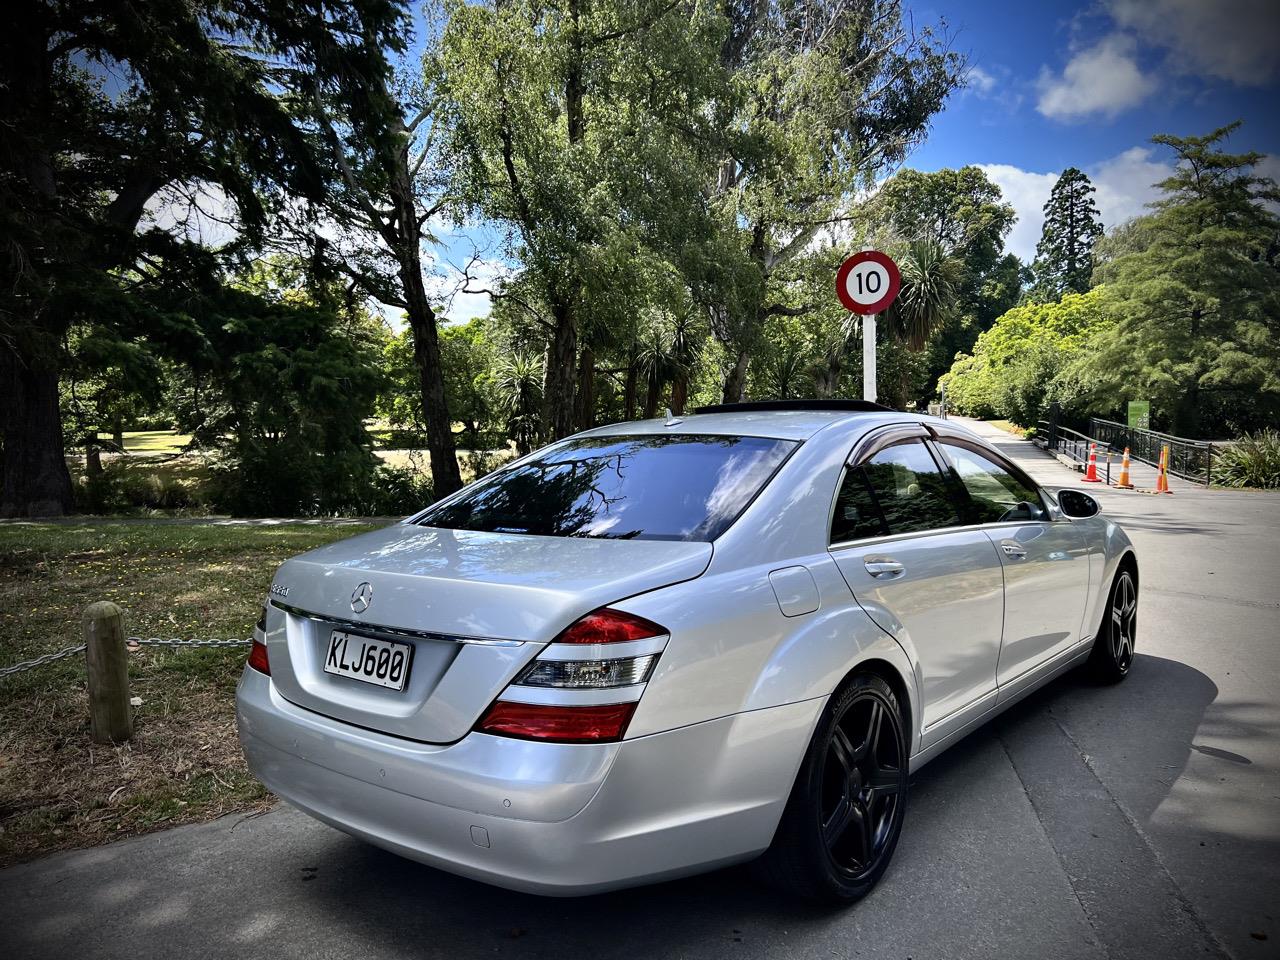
<point>1012,548</point>
<point>884,569</point>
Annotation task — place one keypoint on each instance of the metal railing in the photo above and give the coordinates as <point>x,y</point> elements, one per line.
<point>1063,440</point>
<point>1189,459</point>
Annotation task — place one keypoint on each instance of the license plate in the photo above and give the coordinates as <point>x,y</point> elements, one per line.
<point>368,659</point>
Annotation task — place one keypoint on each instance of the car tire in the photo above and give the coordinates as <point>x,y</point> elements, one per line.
<point>1113,647</point>
<point>843,818</point>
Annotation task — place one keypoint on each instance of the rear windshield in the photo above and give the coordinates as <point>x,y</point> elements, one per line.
<point>664,487</point>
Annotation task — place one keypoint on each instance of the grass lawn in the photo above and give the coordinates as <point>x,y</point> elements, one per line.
<point>1009,427</point>
<point>154,441</point>
<point>57,788</point>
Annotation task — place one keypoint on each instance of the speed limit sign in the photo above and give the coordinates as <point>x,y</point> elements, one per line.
<point>867,282</point>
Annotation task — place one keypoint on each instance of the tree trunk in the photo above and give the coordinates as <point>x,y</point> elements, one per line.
<point>680,392</point>
<point>735,383</point>
<point>652,395</point>
<point>92,455</point>
<point>405,240</point>
<point>827,380</point>
<point>586,401</point>
<point>36,480</point>
<point>560,378</point>
<point>445,475</point>
<point>629,388</point>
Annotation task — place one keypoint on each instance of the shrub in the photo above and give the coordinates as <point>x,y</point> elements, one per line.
<point>123,487</point>
<point>1252,461</point>
<point>394,492</point>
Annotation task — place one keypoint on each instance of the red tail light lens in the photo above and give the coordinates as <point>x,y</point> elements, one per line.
<point>258,658</point>
<point>609,626</point>
<point>535,721</point>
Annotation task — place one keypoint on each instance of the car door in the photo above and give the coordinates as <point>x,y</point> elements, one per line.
<point>934,587</point>
<point>1045,560</point>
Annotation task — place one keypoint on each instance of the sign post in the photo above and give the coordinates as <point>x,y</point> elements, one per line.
<point>867,284</point>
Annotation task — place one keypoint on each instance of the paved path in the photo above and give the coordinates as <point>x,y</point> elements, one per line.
<point>1138,821</point>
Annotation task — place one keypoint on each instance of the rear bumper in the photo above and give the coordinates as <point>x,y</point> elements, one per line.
<point>558,819</point>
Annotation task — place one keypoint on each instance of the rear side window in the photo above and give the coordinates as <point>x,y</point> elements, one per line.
<point>653,487</point>
<point>898,490</point>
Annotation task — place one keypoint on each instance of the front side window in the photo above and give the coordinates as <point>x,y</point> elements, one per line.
<point>897,490</point>
<point>652,487</point>
<point>996,495</point>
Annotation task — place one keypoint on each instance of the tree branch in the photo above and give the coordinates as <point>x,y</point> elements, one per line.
<point>643,24</point>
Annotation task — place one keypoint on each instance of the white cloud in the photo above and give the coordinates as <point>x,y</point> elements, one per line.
<point>1103,79</point>
<point>1233,40</point>
<point>1027,193</point>
<point>1125,184</point>
<point>980,82</point>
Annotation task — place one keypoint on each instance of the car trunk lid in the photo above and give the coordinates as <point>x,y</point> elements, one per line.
<point>475,607</point>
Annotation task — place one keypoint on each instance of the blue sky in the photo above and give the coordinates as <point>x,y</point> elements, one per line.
<point>1058,84</point>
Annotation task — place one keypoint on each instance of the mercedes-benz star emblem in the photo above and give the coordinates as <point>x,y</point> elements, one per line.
<point>361,597</point>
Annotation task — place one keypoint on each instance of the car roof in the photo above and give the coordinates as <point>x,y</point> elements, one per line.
<point>776,423</point>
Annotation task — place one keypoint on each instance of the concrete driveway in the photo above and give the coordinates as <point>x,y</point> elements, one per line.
<point>1140,821</point>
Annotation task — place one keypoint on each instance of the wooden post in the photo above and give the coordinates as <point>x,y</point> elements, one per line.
<point>110,713</point>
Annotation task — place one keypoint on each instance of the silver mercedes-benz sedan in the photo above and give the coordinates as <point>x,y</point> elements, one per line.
<point>656,648</point>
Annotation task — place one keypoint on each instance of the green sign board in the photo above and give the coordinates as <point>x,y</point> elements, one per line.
<point>1140,414</point>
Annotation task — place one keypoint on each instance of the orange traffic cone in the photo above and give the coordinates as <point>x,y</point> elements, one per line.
<point>1123,483</point>
<point>1091,474</point>
<point>1162,481</point>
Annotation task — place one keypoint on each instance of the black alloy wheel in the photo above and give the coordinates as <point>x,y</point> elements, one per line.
<point>845,812</point>
<point>1113,649</point>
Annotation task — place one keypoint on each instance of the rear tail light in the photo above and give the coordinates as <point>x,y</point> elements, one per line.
<point>258,657</point>
<point>558,696</point>
<point>538,721</point>
<point>609,626</point>
<point>258,652</point>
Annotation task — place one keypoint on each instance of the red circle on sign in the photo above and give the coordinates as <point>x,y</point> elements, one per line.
<point>876,306</point>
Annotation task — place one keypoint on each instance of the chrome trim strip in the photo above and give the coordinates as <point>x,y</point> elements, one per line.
<point>572,696</point>
<point>393,631</point>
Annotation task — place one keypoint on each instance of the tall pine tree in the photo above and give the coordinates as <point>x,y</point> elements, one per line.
<point>1064,255</point>
<point>1195,289</point>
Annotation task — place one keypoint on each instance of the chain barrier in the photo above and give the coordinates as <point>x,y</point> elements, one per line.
<point>132,643</point>
<point>41,660</point>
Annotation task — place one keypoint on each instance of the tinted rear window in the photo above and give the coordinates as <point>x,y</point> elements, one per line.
<point>663,487</point>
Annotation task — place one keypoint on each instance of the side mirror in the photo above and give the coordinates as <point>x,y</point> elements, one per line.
<point>1076,504</point>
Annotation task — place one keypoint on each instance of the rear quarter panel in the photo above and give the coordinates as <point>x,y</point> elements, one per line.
<point>733,651</point>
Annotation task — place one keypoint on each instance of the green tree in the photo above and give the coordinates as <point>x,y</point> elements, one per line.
<point>285,394</point>
<point>378,136</point>
<point>1064,255</point>
<point>108,109</point>
<point>577,126</point>
<point>826,95</point>
<point>1197,290</point>
<point>1023,361</point>
<point>966,215</point>
<point>467,360</point>
<point>518,382</point>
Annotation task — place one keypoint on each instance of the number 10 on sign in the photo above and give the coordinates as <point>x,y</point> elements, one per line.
<point>867,284</point>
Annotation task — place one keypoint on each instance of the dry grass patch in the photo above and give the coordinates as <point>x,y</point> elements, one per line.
<point>59,790</point>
